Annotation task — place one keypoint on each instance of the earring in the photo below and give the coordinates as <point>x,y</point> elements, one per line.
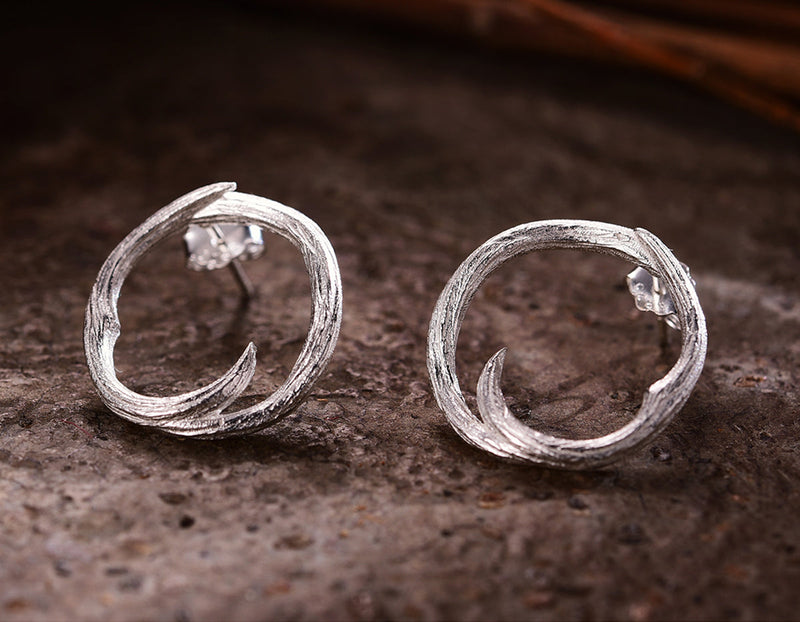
<point>223,227</point>
<point>661,284</point>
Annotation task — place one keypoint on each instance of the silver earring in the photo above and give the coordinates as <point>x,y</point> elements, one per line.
<point>223,227</point>
<point>661,284</point>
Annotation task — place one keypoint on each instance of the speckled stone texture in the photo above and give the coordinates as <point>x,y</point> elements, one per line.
<point>364,504</point>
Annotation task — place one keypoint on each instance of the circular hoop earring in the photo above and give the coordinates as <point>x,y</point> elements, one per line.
<point>223,228</point>
<point>661,284</point>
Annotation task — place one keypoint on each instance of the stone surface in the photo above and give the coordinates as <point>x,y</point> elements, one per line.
<point>364,504</point>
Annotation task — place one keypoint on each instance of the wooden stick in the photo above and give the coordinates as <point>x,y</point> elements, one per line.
<point>746,71</point>
<point>674,62</point>
<point>773,64</point>
<point>767,16</point>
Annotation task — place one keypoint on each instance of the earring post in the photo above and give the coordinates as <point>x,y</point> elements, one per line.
<point>663,335</point>
<point>235,266</point>
<point>245,284</point>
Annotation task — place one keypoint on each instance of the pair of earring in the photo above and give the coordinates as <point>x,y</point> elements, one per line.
<point>223,226</point>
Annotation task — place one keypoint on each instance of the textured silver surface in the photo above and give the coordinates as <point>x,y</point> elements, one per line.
<point>497,430</point>
<point>200,413</point>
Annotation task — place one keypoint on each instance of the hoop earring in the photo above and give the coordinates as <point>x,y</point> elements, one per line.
<point>661,284</point>
<point>214,242</point>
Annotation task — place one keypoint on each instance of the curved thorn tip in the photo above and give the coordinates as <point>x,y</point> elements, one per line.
<point>490,395</point>
<point>231,385</point>
<point>211,193</point>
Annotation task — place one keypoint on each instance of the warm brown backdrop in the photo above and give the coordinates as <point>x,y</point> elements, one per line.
<point>365,504</point>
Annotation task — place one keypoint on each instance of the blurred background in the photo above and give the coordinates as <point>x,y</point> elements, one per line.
<point>746,51</point>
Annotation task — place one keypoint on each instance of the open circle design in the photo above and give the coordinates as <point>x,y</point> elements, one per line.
<point>497,430</point>
<point>200,413</point>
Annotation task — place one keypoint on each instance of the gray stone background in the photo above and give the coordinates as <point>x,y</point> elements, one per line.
<point>364,504</point>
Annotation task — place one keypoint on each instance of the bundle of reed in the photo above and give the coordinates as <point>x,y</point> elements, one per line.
<point>746,51</point>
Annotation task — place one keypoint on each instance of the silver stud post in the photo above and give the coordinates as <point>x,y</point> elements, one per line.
<point>649,294</point>
<point>224,246</point>
<point>235,266</point>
